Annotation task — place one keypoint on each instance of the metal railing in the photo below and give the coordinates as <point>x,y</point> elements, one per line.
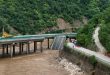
<point>34,37</point>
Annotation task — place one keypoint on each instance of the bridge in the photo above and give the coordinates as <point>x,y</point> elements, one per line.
<point>7,43</point>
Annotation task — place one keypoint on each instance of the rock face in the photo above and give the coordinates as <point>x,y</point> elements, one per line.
<point>71,68</point>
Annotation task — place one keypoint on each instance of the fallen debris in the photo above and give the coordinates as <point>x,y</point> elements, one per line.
<point>71,68</point>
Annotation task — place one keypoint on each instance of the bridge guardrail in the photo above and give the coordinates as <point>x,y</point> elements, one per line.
<point>37,37</point>
<point>50,35</point>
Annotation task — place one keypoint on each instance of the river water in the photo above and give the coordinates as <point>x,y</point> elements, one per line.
<point>37,64</point>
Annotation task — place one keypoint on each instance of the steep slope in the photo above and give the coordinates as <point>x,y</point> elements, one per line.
<point>102,20</point>
<point>31,16</point>
<point>104,33</point>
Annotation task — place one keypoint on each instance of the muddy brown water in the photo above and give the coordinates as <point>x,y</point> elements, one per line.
<point>32,64</point>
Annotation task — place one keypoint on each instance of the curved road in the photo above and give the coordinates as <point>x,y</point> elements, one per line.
<point>97,41</point>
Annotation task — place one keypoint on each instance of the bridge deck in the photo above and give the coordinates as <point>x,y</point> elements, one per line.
<point>11,42</point>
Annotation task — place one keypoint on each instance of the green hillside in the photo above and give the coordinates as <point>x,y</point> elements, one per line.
<point>105,29</point>
<point>30,16</point>
<point>101,19</point>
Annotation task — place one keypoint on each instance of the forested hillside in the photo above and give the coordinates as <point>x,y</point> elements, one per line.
<point>105,29</point>
<point>102,20</point>
<point>31,16</point>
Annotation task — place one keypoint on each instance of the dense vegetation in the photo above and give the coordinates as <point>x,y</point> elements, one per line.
<point>101,19</point>
<point>105,29</point>
<point>31,16</point>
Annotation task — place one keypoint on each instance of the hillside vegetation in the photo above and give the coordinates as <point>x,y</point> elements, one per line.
<point>105,29</point>
<point>31,16</point>
<point>101,19</point>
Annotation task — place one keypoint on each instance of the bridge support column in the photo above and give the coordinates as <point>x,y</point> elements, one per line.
<point>48,43</point>
<point>28,47</point>
<point>20,48</point>
<point>35,46</point>
<point>3,49</point>
<point>7,48</point>
<point>13,49</point>
<point>41,47</point>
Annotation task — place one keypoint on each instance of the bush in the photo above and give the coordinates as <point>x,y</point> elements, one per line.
<point>93,61</point>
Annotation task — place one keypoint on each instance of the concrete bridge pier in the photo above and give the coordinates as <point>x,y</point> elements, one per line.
<point>3,49</point>
<point>28,47</point>
<point>13,45</point>
<point>20,49</point>
<point>7,49</point>
<point>41,47</point>
<point>48,44</point>
<point>35,46</point>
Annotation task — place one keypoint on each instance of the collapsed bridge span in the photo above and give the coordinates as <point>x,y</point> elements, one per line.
<point>8,45</point>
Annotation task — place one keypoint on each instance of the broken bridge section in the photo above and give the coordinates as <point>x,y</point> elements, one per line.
<point>58,42</point>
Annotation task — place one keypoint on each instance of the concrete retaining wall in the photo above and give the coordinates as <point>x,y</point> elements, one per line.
<point>89,64</point>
